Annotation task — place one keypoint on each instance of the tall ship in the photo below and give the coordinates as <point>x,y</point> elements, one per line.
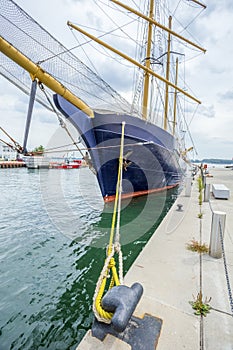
<point>154,151</point>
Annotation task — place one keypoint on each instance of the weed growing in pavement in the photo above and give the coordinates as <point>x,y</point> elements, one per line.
<point>195,246</point>
<point>200,307</point>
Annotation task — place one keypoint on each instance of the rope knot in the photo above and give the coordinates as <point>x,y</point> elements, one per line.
<point>112,263</point>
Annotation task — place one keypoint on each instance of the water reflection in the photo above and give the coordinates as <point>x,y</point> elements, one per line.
<point>47,278</point>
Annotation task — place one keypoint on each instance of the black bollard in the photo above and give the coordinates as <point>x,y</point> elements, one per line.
<point>122,301</point>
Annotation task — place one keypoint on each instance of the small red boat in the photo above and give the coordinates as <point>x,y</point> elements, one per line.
<point>74,164</point>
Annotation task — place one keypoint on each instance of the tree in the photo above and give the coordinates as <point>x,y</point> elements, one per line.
<point>38,150</point>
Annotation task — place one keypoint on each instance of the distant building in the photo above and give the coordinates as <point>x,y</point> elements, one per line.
<point>6,152</point>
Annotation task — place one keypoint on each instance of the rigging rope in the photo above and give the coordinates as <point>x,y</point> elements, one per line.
<point>17,147</point>
<point>110,265</point>
<point>63,125</point>
<point>61,121</point>
<point>52,150</point>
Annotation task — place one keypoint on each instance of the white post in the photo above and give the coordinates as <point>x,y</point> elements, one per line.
<point>207,193</point>
<point>217,227</point>
<point>188,186</point>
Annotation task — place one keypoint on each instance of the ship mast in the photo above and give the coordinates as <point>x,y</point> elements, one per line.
<point>175,99</point>
<point>148,63</point>
<point>167,74</point>
<point>136,63</point>
<point>151,20</point>
<point>36,72</point>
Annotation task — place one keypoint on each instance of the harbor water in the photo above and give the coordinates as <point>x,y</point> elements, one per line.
<point>54,229</point>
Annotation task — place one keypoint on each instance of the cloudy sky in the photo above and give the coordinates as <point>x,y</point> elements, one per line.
<point>211,76</point>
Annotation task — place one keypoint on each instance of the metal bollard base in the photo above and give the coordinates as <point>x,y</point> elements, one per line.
<point>140,333</point>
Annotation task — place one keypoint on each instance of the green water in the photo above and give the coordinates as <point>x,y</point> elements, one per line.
<point>53,233</point>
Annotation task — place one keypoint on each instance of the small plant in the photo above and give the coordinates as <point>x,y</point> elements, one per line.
<point>200,184</point>
<point>200,215</point>
<point>200,198</point>
<point>200,189</point>
<point>200,307</point>
<point>39,150</point>
<point>195,246</point>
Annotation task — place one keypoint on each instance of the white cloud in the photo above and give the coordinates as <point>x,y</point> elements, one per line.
<point>210,76</point>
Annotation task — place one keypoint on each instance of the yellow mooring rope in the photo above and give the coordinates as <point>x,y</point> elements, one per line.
<point>110,265</point>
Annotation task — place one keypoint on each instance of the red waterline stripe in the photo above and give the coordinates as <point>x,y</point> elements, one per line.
<point>108,199</point>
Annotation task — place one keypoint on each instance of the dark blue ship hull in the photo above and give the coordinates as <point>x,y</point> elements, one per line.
<point>151,162</point>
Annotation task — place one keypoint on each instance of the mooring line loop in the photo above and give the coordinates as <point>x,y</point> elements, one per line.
<point>112,248</point>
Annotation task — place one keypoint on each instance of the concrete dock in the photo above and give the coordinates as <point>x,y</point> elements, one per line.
<point>12,164</point>
<point>172,276</point>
